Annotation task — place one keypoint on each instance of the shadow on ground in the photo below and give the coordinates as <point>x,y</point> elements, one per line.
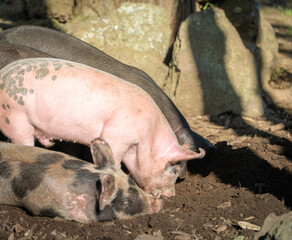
<point>242,167</point>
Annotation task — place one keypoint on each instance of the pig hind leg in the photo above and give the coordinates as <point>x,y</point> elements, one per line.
<point>18,129</point>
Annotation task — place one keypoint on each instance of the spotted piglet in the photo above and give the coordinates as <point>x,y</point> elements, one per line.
<point>48,183</point>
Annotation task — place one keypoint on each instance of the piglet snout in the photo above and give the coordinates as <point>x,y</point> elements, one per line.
<point>154,204</point>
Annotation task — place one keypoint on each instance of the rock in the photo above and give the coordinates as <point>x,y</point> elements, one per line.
<point>137,34</point>
<point>266,53</point>
<point>276,228</point>
<point>267,60</point>
<point>55,9</point>
<point>245,17</point>
<point>258,36</point>
<point>177,11</point>
<point>212,71</point>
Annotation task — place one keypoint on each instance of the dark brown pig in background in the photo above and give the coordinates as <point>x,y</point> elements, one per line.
<point>10,52</point>
<point>61,45</point>
<point>51,184</point>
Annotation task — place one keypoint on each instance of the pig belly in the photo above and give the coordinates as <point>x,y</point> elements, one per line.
<point>70,206</point>
<point>48,123</point>
<point>48,201</point>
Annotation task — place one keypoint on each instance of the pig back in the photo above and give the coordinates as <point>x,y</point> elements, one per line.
<point>10,52</point>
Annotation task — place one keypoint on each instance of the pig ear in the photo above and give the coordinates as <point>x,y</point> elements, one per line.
<point>101,152</point>
<point>107,189</point>
<point>181,153</point>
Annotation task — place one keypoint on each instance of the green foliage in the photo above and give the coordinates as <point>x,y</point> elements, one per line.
<point>207,5</point>
<point>281,78</point>
<point>285,11</point>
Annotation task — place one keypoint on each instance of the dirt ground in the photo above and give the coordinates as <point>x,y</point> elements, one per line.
<point>247,177</point>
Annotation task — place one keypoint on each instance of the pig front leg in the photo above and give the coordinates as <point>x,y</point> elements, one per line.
<point>17,128</point>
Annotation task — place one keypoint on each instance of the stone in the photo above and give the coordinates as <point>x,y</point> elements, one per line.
<point>136,34</point>
<point>267,60</point>
<point>267,52</point>
<point>12,9</point>
<point>245,17</point>
<point>276,228</point>
<point>212,71</point>
<point>177,11</point>
<point>54,9</point>
<point>256,33</point>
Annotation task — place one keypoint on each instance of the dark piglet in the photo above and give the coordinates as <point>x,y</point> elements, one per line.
<point>48,183</point>
<point>61,45</point>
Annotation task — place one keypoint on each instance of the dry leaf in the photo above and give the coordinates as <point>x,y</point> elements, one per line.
<point>221,228</point>
<point>249,226</point>
<point>224,205</point>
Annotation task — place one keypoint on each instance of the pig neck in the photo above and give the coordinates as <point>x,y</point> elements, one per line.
<point>162,144</point>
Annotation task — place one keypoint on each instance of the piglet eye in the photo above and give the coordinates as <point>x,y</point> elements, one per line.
<point>175,170</point>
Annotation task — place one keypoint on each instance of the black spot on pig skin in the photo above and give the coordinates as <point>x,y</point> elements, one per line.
<point>83,176</point>
<point>106,214</point>
<point>29,178</point>
<point>73,164</point>
<point>138,205</point>
<point>133,192</point>
<point>49,158</point>
<point>130,204</point>
<point>5,169</point>
<point>131,181</point>
<point>49,212</point>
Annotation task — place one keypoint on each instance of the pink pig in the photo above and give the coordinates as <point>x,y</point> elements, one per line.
<point>57,99</point>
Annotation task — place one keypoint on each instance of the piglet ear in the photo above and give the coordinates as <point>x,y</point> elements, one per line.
<point>101,152</point>
<point>107,189</point>
<point>181,153</point>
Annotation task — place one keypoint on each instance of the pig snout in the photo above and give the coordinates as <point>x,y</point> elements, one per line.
<point>168,192</point>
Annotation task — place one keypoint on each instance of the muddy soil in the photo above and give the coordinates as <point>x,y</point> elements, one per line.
<point>245,178</point>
